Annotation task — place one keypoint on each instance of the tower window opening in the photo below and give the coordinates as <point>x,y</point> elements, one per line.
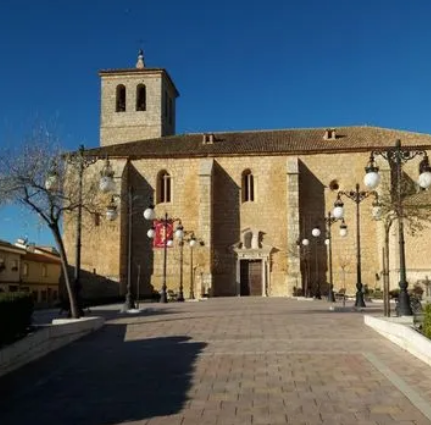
<point>247,186</point>
<point>120,104</point>
<point>141,97</point>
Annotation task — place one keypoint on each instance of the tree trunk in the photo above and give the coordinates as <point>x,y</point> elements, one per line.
<point>74,310</point>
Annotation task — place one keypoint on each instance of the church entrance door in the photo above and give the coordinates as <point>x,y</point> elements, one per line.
<point>251,277</point>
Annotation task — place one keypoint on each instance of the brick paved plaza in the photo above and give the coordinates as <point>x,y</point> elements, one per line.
<point>224,361</point>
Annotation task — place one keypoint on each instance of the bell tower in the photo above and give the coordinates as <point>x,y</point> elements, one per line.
<point>136,104</point>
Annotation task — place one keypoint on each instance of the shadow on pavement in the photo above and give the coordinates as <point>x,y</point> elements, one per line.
<point>113,312</point>
<point>351,310</point>
<point>101,380</point>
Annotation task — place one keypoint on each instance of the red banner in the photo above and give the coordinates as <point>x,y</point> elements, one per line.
<point>164,231</point>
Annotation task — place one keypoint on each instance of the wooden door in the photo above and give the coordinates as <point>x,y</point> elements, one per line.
<point>255,277</point>
<point>251,277</point>
<point>244,278</point>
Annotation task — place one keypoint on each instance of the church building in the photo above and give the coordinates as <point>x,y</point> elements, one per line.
<point>248,199</point>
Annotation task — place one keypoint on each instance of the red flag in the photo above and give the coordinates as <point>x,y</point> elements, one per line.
<point>164,231</point>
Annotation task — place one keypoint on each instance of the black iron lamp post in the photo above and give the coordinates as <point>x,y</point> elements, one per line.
<point>192,243</point>
<point>397,157</point>
<point>316,233</point>
<point>330,220</point>
<point>149,214</point>
<point>304,251</point>
<point>81,162</point>
<point>111,215</point>
<point>107,185</point>
<point>190,238</point>
<point>181,288</point>
<point>356,196</point>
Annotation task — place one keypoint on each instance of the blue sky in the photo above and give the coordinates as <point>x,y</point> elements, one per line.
<point>238,65</point>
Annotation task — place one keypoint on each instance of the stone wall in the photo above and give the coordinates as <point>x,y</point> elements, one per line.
<point>132,125</point>
<point>292,195</point>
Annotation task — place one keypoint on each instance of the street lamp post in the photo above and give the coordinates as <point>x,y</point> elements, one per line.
<point>111,215</point>
<point>192,243</point>
<point>107,185</point>
<point>81,162</point>
<point>191,240</point>
<point>398,157</point>
<point>303,254</point>
<point>181,288</point>
<point>356,196</point>
<point>316,233</point>
<point>330,220</point>
<point>77,274</point>
<point>166,221</point>
<point>129,303</point>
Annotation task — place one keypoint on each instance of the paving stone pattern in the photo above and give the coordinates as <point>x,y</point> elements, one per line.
<point>224,361</point>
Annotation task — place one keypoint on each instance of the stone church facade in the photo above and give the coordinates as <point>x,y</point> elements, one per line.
<point>249,197</point>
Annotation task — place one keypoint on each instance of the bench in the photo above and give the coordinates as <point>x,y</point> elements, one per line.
<point>418,320</point>
<point>340,295</point>
<point>172,296</point>
<point>418,313</point>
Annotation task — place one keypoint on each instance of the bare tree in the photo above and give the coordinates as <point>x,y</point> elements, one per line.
<point>415,210</point>
<point>37,176</point>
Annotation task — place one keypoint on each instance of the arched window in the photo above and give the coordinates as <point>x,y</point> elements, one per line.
<point>247,186</point>
<point>164,187</point>
<point>120,101</point>
<point>141,97</point>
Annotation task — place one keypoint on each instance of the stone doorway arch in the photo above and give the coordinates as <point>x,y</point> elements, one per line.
<point>252,264</point>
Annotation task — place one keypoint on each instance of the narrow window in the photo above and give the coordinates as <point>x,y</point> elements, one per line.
<point>44,271</point>
<point>141,97</point>
<point>97,219</point>
<point>164,187</point>
<point>247,186</point>
<point>121,98</point>
<point>25,269</point>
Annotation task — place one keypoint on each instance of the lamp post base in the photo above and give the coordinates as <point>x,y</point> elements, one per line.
<point>164,296</point>
<point>318,294</point>
<point>331,296</point>
<point>181,296</point>
<point>359,302</point>
<point>404,308</point>
<point>128,303</point>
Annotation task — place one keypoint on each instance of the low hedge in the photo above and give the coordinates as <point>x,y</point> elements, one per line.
<point>16,310</point>
<point>426,328</point>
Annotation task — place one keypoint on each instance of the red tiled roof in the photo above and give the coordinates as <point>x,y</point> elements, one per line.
<point>11,247</point>
<point>267,142</point>
<point>40,258</point>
